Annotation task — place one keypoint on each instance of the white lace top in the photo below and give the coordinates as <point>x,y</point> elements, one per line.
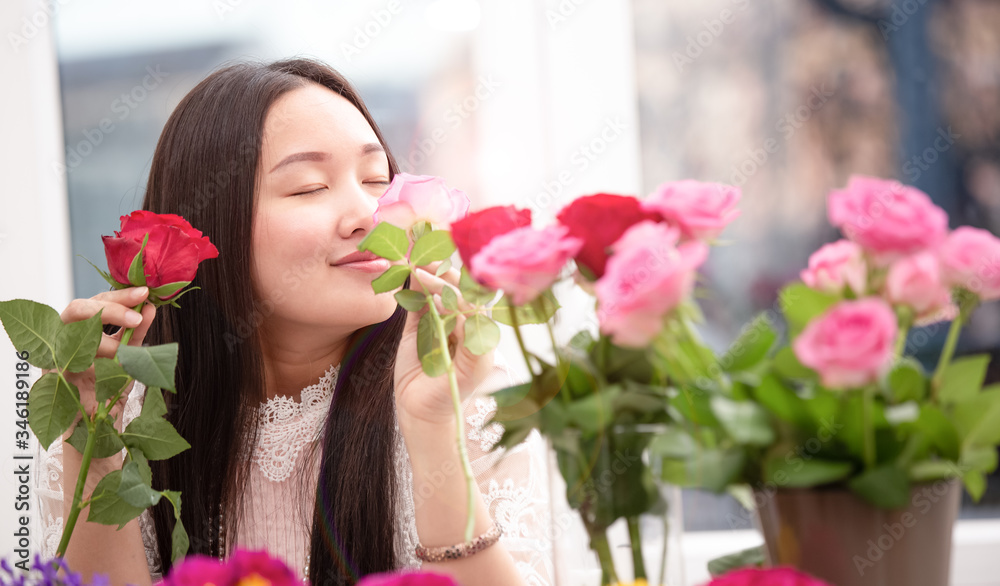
<point>277,516</point>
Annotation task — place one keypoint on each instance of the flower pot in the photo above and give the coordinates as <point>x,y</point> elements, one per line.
<point>632,518</point>
<point>838,537</point>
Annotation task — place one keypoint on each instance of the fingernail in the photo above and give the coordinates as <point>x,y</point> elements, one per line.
<point>141,291</point>
<point>133,318</point>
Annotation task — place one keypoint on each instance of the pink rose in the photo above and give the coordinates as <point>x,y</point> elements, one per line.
<point>413,198</point>
<point>243,568</point>
<point>835,266</point>
<point>701,210</point>
<point>970,259</point>
<point>198,570</point>
<point>408,579</point>
<point>781,576</point>
<point>887,218</point>
<point>915,281</point>
<point>524,262</point>
<point>647,276</point>
<point>851,344</point>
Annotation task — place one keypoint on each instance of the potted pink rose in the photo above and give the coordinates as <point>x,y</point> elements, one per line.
<point>854,453</point>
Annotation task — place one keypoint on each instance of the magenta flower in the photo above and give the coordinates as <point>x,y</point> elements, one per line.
<point>887,218</point>
<point>243,568</point>
<point>408,579</point>
<point>699,209</point>
<point>524,262</point>
<point>851,344</point>
<point>766,577</point>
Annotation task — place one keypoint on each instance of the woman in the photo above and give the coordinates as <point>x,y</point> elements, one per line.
<point>314,432</point>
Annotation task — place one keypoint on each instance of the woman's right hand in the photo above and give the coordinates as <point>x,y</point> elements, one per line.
<point>118,310</point>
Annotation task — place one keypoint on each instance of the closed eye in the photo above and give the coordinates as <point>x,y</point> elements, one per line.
<point>378,182</point>
<point>310,191</point>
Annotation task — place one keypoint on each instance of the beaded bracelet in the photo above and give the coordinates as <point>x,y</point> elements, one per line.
<point>461,550</point>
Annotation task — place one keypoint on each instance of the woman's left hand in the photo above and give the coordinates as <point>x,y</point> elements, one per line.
<point>424,399</point>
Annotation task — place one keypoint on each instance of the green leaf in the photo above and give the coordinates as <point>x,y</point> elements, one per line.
<point>76,343</point>
<point>31,327</point>
<point>429,347</point>
<point>472,291</point>
<point>109,377</point>
<point>928,470</point>
<point>153,404</point>
<point>712,470</point>
<point>111,280</point>
<point>178,538</point>
<point>538,311</point>
<point>153,366</point>
<point>137,270</point>
<point>787,365</point>
<point>411,300</point>
<point>178,541</point>
<point>107,507</point>
<point>106,444</point>
<point>392,278</point>
<point>975,483</point>
<point>963,378</point>
<point>908,381</point>
<point>145,473</point>
<point>443,268</point>
<point>800,305</point>
<point>173,300</point>
<point>167,289</point>
<point>133,488</point>
<point>941,432</point>
<point>886,487</point>
<point>52,405</point>
<point>673,443</point>
<point>751,347</point>
<point>753,557</point>
<point>978,419</point>
<point>745,421</point>
<point>481,334</point>
<point>449,299</point>
<point>432,246</point>
<point>593,413</point>
<point>387,241</point>
<point>796,472</point>
<point>782,401</point>
<point>157,439</point>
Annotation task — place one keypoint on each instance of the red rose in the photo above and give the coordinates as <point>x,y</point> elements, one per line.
<point>475,230</point>
<point>601,219</point>
<point>172,253</point>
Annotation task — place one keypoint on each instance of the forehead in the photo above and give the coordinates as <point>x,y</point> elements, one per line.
<point>313,117</point>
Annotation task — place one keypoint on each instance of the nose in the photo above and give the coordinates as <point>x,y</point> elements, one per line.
<point>359,212</point>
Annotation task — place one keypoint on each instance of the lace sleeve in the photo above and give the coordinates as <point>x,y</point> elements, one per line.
<point>514,482</point>
<point>49,491</point>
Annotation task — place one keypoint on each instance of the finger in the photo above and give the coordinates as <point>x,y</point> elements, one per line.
<point>111,312</point>
<point>452,275</point>
<point>435,285</point>
<point>148,313</point>
<point>130,296</point>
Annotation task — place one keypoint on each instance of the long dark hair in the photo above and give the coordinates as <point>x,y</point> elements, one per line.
<point>205,169</point>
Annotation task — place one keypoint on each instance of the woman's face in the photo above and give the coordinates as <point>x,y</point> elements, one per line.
<point>321,173</point>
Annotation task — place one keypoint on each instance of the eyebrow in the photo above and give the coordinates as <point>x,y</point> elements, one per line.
<point>367,149</point>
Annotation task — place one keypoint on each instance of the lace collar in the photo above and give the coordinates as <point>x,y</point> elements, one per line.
<point>287,425</point>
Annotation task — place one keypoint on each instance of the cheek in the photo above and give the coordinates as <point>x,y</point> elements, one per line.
<point>288,250</point>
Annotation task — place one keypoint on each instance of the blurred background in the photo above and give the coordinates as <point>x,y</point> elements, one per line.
<point>532,103</point>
